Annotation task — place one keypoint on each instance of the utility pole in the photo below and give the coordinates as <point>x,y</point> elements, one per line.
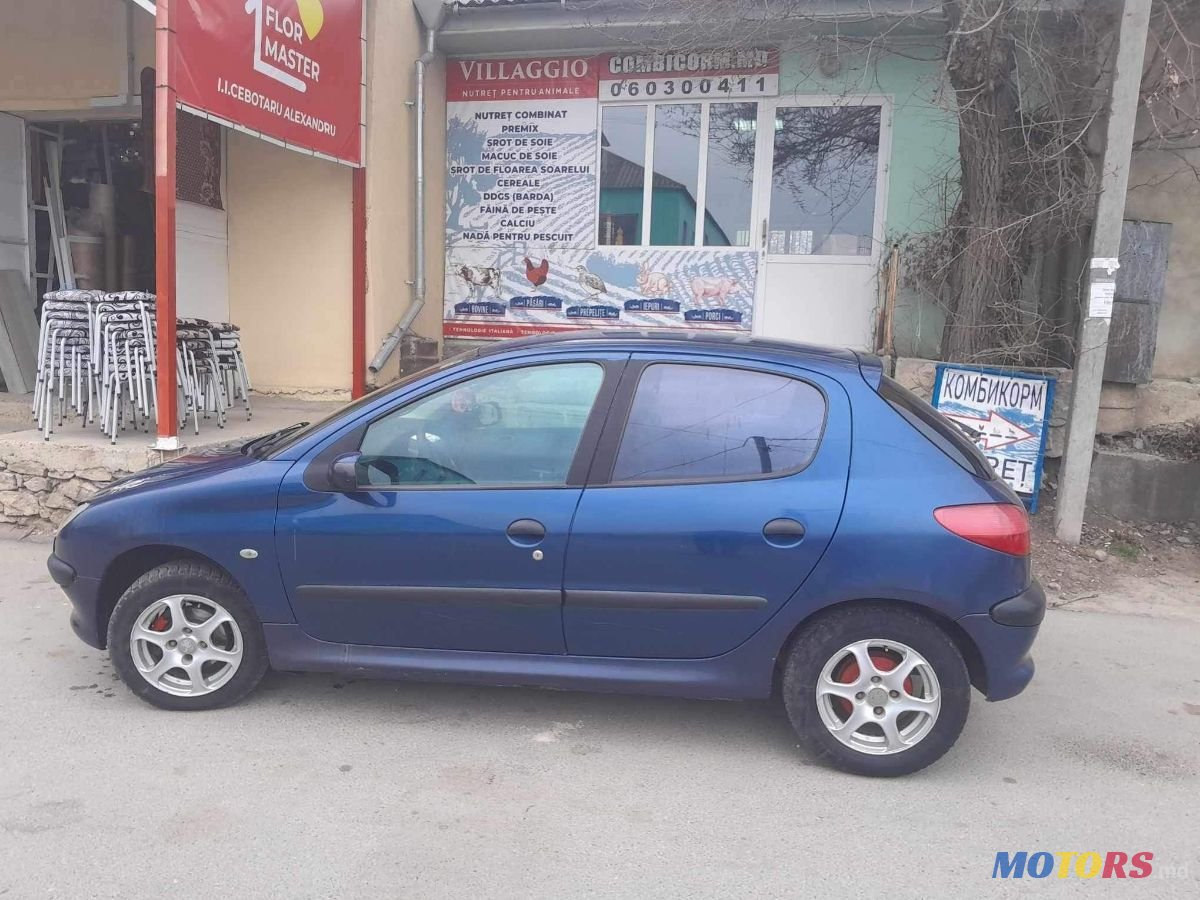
<point>1092,345</point>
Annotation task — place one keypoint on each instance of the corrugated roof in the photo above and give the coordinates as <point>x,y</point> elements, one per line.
<point>480,3</point>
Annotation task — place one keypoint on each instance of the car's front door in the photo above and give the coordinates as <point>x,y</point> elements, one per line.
<point>456,536</point>
<point>724,484</point>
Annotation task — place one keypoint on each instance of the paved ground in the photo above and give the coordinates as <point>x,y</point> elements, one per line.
<point>320,788</point>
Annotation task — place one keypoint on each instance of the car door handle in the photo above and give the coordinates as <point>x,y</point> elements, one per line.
<point>526,532</point>
<point>783,532</point>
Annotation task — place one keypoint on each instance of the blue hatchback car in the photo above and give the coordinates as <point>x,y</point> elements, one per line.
<point>694,515</point>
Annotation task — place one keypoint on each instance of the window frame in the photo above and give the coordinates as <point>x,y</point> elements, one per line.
<point>622,407</point>
<point>316,476</point>
<point>764,178</point>
<point>701,198</point>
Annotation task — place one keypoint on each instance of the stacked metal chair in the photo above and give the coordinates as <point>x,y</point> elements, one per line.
<point>212,371</point>
<point>65,369</point>
<point>124,359</point>
<point>96,352</point>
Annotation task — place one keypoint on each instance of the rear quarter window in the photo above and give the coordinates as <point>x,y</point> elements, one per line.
<point>698,422</point>
<point>936,428</point>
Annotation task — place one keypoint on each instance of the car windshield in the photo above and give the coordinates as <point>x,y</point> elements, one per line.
<point>282,444</point>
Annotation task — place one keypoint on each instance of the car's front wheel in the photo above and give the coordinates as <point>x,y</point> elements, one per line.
<point>184,636</point>
<point>876,689</point>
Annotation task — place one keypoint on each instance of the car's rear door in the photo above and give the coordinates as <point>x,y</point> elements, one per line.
<point>456,536</point>
<point>717,486</point>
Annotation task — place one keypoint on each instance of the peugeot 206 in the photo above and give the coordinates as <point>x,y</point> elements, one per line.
<point>691,515</point>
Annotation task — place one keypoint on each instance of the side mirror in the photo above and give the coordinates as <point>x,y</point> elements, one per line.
<point>343,473</point>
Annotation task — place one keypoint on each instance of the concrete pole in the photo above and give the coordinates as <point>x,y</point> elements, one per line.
<point>1092,345</point>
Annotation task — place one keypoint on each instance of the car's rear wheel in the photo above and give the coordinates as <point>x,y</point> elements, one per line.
<point>876,689</point>
<point>183,636</point>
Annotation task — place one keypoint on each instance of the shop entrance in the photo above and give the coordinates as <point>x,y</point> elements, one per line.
<point>821,185</point>
<point>795,184</point>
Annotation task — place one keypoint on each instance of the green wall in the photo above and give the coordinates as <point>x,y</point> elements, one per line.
<point>924,136</point>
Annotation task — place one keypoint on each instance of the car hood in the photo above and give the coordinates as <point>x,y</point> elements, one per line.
<point>201,463</point>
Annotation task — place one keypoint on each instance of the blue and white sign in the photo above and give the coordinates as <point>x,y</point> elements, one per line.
<point>1007,416</point>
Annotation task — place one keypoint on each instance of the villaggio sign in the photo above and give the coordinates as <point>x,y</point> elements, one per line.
<point>521,137</point>
<point>288,69</point>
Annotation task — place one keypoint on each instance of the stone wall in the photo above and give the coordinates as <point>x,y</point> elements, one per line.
<point>41,482</point>
<point>1123,407</point>
<point>34,497</point>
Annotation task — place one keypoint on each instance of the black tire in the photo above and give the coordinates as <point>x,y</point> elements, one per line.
<point>817,644</point>
<point>187,577</point>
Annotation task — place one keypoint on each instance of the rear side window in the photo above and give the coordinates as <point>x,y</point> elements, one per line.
<point>940,431</point>
<point>697,422</point>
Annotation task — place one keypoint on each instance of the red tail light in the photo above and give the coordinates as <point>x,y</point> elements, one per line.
<point>998,526</point>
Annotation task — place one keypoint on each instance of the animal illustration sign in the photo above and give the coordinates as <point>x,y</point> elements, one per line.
<point>1006,415</point>
<point>509,292</point>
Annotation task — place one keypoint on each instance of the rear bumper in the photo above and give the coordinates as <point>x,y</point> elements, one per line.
<point>84,594</point>
<point>1004,637</point>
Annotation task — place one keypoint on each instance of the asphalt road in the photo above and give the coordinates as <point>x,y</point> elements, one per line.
<point>316,787</point>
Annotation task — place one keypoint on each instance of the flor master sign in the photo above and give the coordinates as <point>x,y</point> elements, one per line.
<point>1005,414</point>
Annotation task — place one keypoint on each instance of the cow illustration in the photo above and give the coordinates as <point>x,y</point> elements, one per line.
<point>480,280</point>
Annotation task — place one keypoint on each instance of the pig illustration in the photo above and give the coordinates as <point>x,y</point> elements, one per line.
<point>719,289</point>
<point>652,284</point>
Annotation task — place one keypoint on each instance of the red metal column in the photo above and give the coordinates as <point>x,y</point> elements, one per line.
<point>358,299</point>
<point>164,222</point>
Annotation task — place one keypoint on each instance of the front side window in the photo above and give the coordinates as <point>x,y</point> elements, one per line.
<point>515,427</point>
<point>693,422</point>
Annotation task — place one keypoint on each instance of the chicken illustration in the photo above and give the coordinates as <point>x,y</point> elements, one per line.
<point>590,282</point>
<point>537,274</point>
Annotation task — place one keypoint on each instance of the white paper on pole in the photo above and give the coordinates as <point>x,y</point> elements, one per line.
<point>1100,299</point>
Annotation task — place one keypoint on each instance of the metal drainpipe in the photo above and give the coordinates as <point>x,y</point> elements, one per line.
<point>396,334</point>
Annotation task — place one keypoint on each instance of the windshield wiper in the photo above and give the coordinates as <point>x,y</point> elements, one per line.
<point>265,440</point>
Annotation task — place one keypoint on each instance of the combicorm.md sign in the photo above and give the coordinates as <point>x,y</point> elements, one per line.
<point>1005,414</point>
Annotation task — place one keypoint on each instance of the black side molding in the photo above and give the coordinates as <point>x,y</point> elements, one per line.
<point>658,600</point>
<point>61,572</point>
<point>447,596</point>
<point>1026,609</point>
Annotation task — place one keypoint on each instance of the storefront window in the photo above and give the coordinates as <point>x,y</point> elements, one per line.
<point>622,174</point>
<point>728,191</point>
<point>823,180</point>
<point>673,200</point>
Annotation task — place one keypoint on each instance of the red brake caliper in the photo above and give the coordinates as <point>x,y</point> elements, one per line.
<point>161,622</point>
<point>849,674</point>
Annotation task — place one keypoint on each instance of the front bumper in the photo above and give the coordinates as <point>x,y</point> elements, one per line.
<point>84,594</point>
<point>1003,637</point>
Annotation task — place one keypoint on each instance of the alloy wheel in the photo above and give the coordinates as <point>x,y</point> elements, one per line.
<point>878,696</point>
<point>186,645</point>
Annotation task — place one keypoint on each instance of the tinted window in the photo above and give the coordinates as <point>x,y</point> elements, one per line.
<point>936,428</point>
<point>690,422</point>
<point>519,426</point>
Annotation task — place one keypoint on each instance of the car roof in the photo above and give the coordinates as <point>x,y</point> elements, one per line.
<point>732,343</point>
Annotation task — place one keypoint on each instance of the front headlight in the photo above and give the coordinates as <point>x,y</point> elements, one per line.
<point>72,517</point>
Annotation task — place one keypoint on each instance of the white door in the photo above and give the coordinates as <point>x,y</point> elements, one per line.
<point>822,188</point>
<point>201,262</point>
<point>14,197</point>
<point>202,236</point>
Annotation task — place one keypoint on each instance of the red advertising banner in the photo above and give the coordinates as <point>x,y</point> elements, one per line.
<point>290,69</point>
